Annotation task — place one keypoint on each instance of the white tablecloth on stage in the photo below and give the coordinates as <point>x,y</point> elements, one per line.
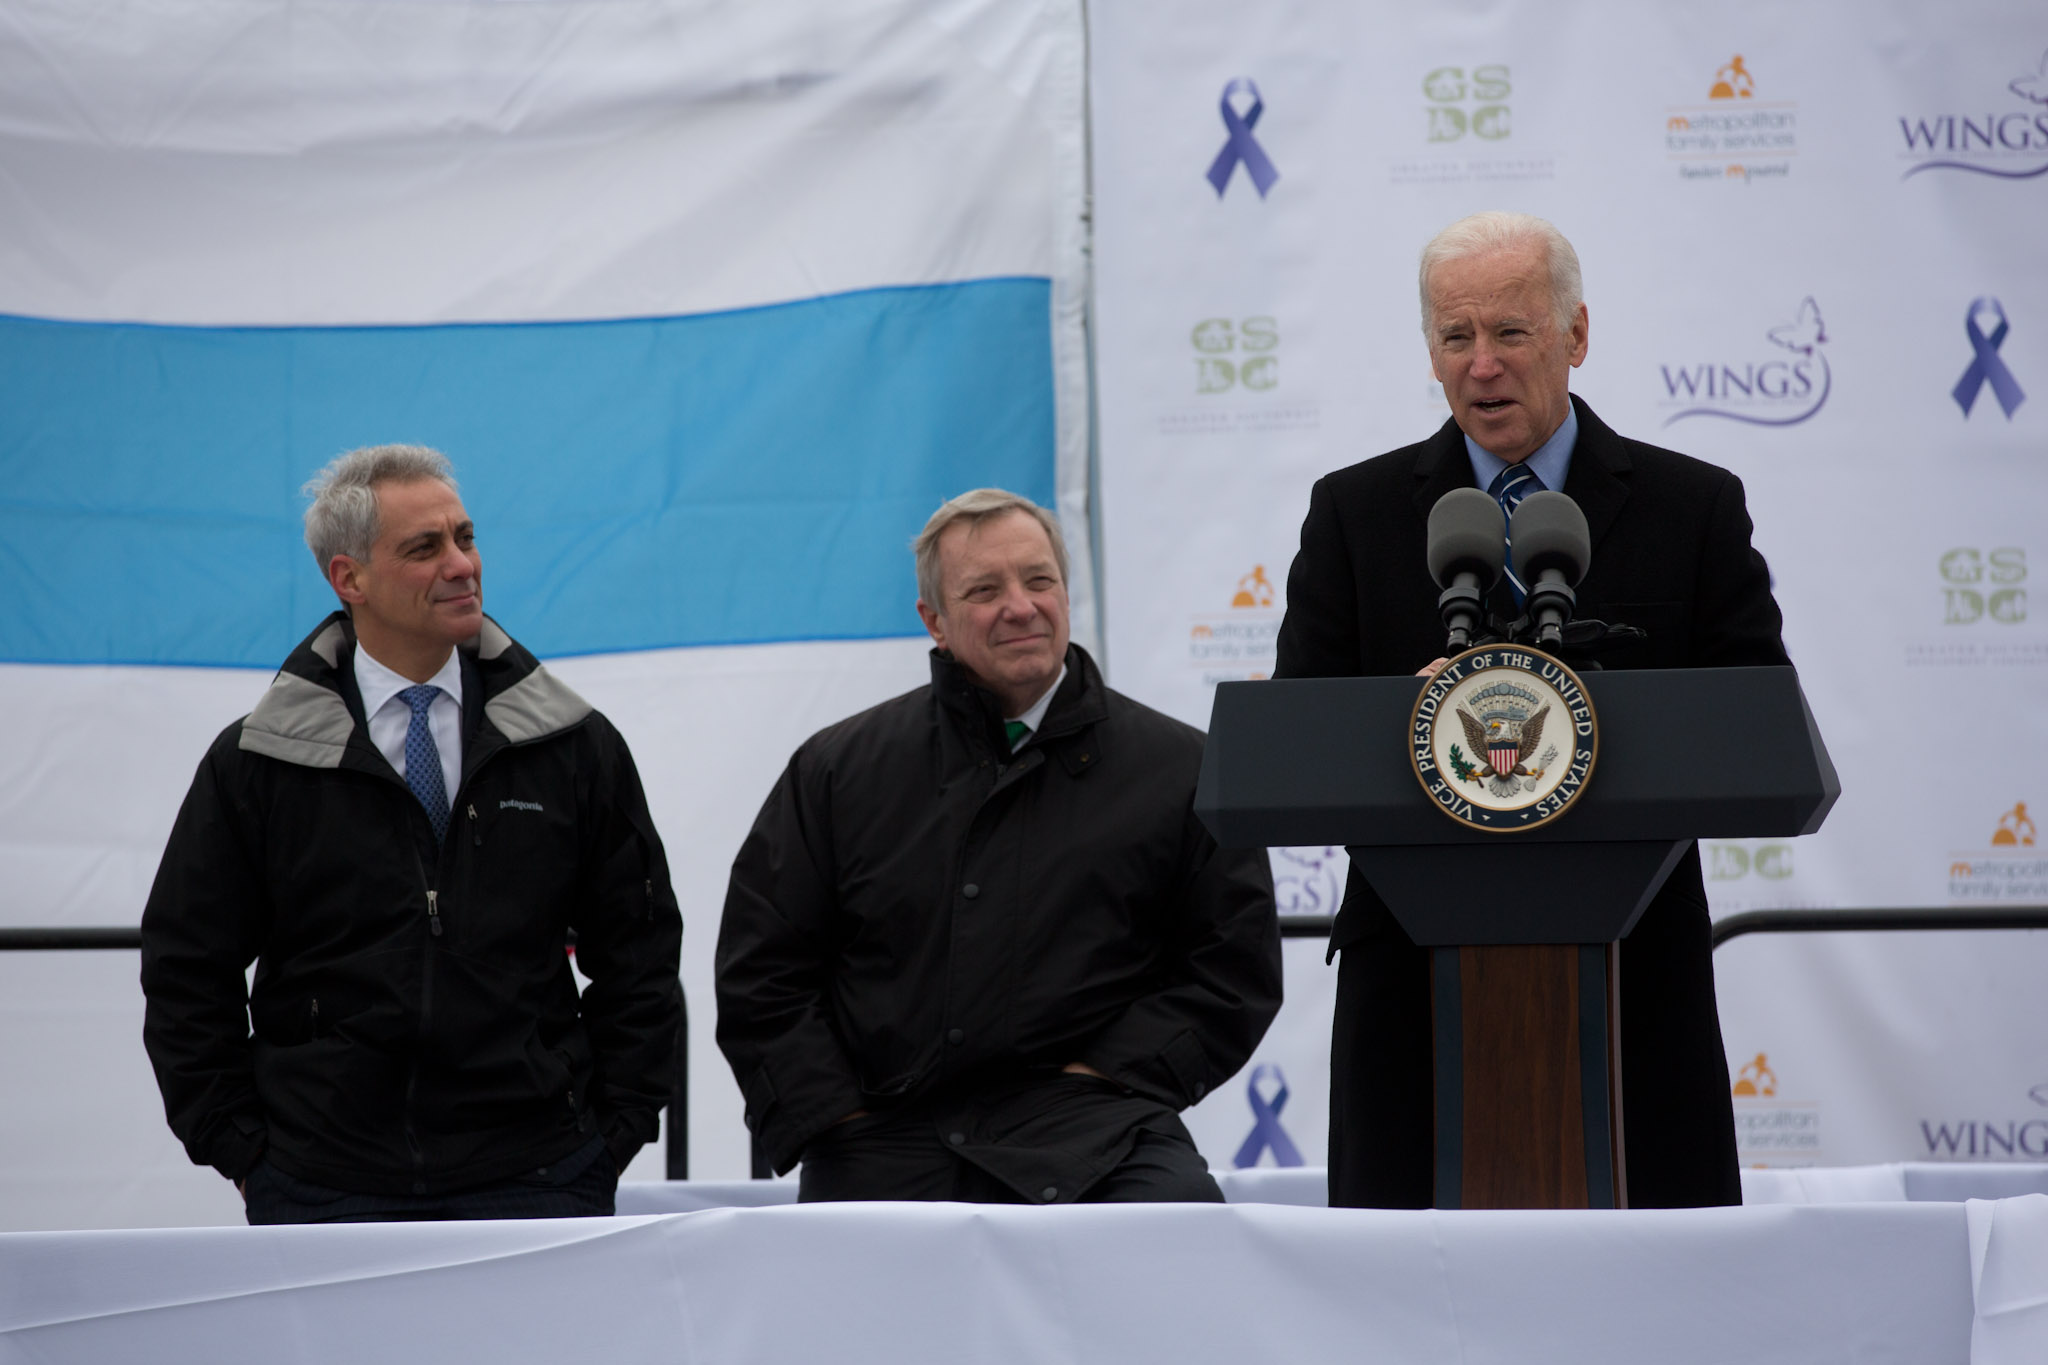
<point>1302,1186</point>
<point>1950,1181</point>
<point>1305,1187</point>
<point>1241,1284</point>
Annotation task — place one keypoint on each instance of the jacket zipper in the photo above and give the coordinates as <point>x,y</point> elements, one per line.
<point>412,1079</point>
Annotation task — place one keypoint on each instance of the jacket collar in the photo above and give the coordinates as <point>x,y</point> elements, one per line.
<point>1597,481</point>
<point>304,717</point>
<point>1076,705</point>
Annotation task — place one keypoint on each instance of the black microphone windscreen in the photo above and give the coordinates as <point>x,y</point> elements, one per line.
<point>1466,534</point>
<point>1549,532</point>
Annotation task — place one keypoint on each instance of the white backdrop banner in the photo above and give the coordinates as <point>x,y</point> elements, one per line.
<point>1809,240</point>
<point>711,305</point>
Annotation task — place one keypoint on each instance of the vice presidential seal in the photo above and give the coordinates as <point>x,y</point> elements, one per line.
<point>1503,738</point>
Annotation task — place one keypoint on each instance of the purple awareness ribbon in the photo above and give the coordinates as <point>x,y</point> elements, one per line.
<point>1266,1130</point>
<point>1241,145</point>
<point>1987,368</point>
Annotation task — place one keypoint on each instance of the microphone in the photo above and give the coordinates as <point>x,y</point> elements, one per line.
<point>1552,549</point>
<point>1465,555</point>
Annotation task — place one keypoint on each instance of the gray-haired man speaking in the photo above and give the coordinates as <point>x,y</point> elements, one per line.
<point>401,836</point>
<point>977,946</point>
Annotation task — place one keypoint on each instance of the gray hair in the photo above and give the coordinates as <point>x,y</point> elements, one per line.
<point>974,508</point>
<point>1495,231</point>
<point>342,519</point>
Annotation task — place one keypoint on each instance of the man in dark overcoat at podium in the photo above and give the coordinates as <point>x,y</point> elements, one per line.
<point>1506,324</point>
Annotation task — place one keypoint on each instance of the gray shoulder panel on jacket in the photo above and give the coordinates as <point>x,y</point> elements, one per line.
<point>297,721</point>
<point>538,704</point>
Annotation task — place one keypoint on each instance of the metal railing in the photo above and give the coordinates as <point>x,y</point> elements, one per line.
<point>1805,921</point>
<point>676,1156</point>
<point>1846,921</point>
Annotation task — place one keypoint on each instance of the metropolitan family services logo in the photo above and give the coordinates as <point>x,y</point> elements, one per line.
<point>1766,389</point>
<point>1241,642</point>
<point>2011,868</point>
<point>2006,137</point>
<point>1735,135</point>
<point>1769,1130</point>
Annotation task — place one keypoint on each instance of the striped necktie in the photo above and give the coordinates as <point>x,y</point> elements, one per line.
<point>1510,486</point>
<point>423,758</point>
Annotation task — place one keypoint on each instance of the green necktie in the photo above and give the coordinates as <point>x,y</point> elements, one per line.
<point>1015,730</point>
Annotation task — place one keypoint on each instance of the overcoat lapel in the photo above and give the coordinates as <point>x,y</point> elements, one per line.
<point>1442,466</point>
<point>1598,481</point>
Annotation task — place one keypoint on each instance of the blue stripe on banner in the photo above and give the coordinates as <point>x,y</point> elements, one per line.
<point>723,478</point>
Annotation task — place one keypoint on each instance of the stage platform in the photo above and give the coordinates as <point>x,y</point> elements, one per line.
<point>1244,1284</point>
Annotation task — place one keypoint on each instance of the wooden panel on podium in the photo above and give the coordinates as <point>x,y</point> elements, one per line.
<point>1534,1125</point>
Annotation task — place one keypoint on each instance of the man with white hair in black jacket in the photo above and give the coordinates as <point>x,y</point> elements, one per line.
<point>401,836</point>
<point>977,945</point>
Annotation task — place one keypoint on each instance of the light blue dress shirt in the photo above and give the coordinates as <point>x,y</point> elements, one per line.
<point>1551,462</point>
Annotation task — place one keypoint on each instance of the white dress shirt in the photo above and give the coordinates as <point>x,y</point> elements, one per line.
<point>390,717</point>
<point>1035,717</point>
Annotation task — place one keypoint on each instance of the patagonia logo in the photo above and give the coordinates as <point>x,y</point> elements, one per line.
<point>519,805</point>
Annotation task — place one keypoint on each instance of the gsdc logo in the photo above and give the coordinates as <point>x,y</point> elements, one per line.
<point>1462,102</point>
<point>1735,862</point>
<point>1232,353</point>
<point>1980,585</point>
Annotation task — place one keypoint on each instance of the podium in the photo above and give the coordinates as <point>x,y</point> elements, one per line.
<point>1523,926</point>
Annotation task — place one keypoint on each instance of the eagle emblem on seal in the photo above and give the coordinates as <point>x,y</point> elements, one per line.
<point>1507,740</point>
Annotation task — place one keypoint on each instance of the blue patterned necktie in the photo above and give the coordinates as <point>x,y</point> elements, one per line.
<point>423,758</point>
<point>1510,486</point>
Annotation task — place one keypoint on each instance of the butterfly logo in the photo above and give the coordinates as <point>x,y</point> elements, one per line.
<point>2033,87</point>
<point>1803,333</point>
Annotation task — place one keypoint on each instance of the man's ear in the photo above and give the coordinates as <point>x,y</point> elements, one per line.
<point>934,623</point>
<point>343,575</point>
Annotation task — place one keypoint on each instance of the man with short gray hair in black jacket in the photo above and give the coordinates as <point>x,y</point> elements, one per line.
<point>977,946</point>
<point>401,836</point>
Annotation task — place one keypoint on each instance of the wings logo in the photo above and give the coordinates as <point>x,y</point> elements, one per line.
<point>2008,140</point>
<point>1766,390</point>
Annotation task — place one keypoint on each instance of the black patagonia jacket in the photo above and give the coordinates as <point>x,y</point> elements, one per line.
<point>416,1024</point>
<point>918,910</point>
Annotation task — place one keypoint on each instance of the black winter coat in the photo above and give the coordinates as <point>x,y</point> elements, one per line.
<point>918,910</point>
<point>1671,554</point>
<point>416,1025</point>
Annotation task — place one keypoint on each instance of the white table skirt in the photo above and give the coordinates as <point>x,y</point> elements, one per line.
<point>1243,1284</point>
<point>1304,1186</point>
<point>1951,1181</point>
